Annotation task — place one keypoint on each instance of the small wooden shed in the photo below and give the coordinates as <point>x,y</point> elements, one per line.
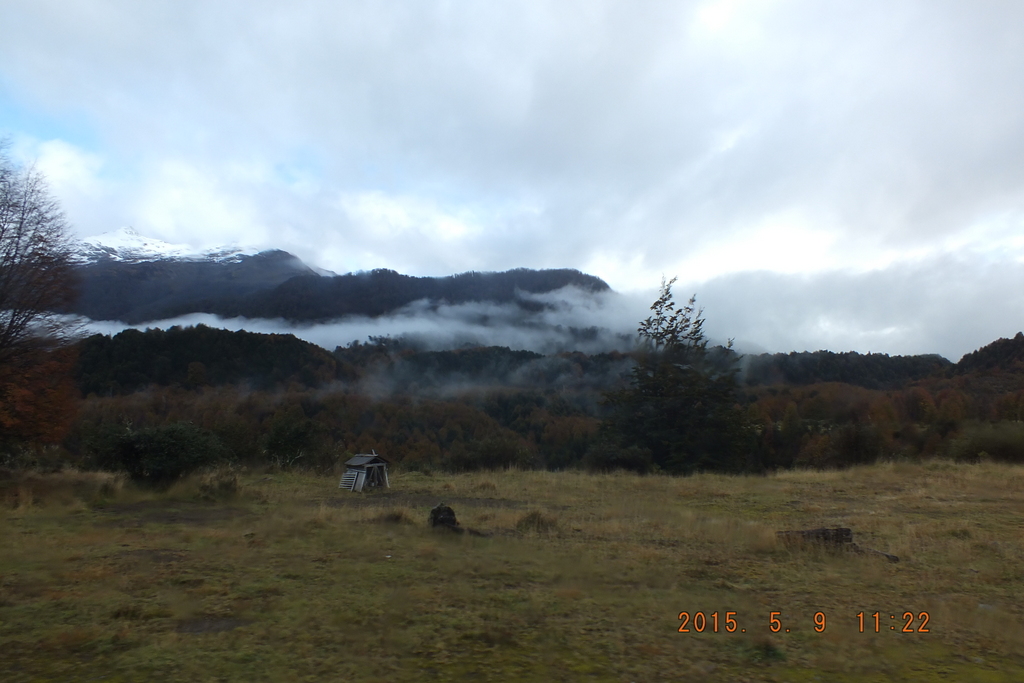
<point>365,471</point>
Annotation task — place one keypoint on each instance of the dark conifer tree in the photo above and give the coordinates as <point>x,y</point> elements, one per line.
<point>681,404</point>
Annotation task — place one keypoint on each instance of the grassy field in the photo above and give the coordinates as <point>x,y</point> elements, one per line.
<point>578,578</point>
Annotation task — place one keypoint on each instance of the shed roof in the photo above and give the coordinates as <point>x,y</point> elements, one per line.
<point>365,459</point>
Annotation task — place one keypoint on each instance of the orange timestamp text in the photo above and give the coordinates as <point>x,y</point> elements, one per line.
<point>729,622</point>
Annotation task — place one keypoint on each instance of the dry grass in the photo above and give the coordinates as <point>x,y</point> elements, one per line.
<point>24,490</point>
<point>582,577</point>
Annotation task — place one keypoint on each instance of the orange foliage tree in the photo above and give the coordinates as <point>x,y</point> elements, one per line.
<point>38,397</point>
<point>36,280</point>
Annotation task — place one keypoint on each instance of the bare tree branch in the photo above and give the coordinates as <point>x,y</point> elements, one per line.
<point>36,274</point>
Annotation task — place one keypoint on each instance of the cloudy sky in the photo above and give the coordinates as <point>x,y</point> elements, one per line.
<point>842,175</point>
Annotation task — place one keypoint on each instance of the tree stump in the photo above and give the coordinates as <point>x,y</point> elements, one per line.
<point>443,516</point>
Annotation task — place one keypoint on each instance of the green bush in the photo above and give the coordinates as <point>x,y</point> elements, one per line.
<point>1002,441</point>
<point>294,440</point>
<point>161,455</point>
<point>855,444</point>
<point>489,454</point>
<point>607,457</point>
<point>21,455</point>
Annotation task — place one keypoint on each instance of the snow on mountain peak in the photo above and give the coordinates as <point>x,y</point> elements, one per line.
<point>127,245</point>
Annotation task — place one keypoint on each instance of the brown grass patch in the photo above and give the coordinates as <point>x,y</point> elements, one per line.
<point>394,516</point>
<point>537,522</point>
<point>20,489</point>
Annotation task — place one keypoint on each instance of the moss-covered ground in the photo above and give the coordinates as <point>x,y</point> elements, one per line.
<point>577,578</point>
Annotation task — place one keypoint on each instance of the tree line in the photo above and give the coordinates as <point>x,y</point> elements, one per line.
<point>133,359</point>
<point>675,405</point>
<point>158,403</point>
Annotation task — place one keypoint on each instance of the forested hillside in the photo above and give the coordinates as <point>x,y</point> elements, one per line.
<point>277,285</point>
<point>275,398</point>
<point>872,370</point>
<point>198,356</point>
<point>1000,355</point>
<point>382,291</point>
<point>155,290</point>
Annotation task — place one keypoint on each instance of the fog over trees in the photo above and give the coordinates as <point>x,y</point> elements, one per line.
<point>159,403</point>
<point>277,400</point>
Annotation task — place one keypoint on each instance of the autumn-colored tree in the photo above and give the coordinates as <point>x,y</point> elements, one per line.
<point>38,396</point>
<point>919,405</point>
<point>952,409</point>
<point>36,281</point>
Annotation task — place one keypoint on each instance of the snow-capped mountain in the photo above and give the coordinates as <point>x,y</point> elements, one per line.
<point>125,245</point>
<point>130,277</point>
<point>134,279</point>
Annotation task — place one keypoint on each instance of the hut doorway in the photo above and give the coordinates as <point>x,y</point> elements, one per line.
<point>365,471</point>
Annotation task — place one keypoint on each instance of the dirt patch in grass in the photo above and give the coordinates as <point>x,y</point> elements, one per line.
<point>155,555</point>
<point>394,516</point>
<point>416,500</point>
<point>168,512</point>
<point>210,625</point>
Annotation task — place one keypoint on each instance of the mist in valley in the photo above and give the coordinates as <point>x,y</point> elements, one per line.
<point>567,319</point>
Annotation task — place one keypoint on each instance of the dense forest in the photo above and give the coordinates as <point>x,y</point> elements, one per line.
<point>275,284</point>
<point>156,290</point>
<point>277,400</point>
<point>872,370</point>
<point>314,298</point>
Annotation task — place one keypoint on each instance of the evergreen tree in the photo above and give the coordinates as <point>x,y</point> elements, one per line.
<point>681,404</point>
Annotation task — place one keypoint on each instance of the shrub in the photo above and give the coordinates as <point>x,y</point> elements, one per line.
<point>856,444</point>
<point>852,444</point>
<point>607,457</point>
<point>1002,441</point>
<point>160,455</point>
<point>219,484</point>
<point>295,440</point>
<point>489,454</point>
<point>17,455</point>
<point>536,521</point>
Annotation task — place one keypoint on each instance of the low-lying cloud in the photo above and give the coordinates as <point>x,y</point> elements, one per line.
<point>930,306</point>
<point>920,308</point>
<point>571,320</point>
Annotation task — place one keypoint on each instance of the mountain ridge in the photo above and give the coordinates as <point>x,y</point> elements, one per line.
<point>126,245</point>
<point>130,278</point>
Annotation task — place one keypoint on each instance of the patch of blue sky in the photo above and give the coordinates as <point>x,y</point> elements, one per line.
<point>302,169</point>
<point>20,119</point>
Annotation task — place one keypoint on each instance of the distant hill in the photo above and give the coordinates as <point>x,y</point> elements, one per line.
<point>193,357</point>
<point>314,298</point>
<point>198,356</point>
<point>124,276</point>
<point>1002,354</point>
<point>872,370</point>
<point>138,292</point>
<point>881,371</point>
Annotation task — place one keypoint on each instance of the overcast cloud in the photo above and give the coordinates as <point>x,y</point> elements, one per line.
<point>822,174</point>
